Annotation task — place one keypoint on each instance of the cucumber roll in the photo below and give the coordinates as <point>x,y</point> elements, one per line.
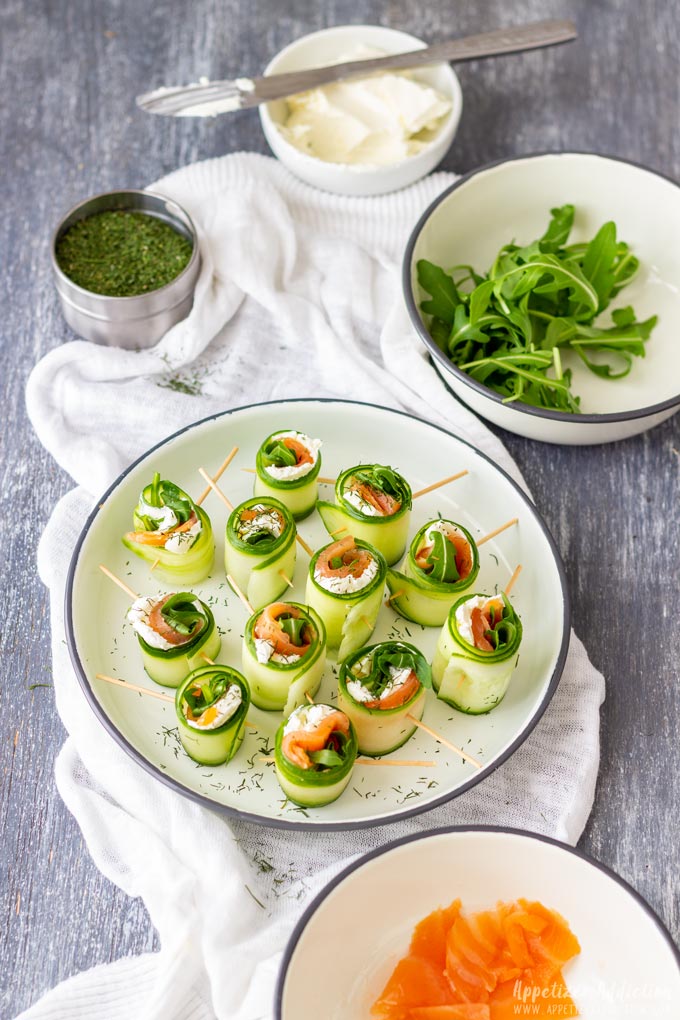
<point>442,562</point>
<point>345,586</point>
<point>175,633</point>
<point>211,706</point>
<point>477,653</point>
<point>287,466</point>
<point>314,754</point>
<point>373,503</point>
<point>259,548</point>
<point>171,529</point>
<point>378,688</point>
<point>284,654</point>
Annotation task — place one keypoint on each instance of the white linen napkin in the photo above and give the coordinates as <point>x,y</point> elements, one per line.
<point>316,275</point>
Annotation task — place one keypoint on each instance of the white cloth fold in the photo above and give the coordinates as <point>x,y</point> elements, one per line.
<point>284,267</point>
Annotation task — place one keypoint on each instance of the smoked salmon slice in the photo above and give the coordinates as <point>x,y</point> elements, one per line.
<point>493,965</point>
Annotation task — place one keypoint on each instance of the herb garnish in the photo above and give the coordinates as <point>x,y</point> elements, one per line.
<point>381,664</point>
<point>206,691</point>
<point>386,480</point>
<point>441,561</point>
<point>120,253</point>
<point>184,614</point>
<point>276,453</point>
<point>506,329</point>
<point>162,493</point>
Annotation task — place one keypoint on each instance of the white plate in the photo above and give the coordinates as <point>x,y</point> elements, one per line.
<point>100,642</point>
<point>352,935</point>
<point>511,200</point>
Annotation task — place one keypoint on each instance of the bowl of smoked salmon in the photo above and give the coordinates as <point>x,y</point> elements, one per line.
<point>478,923</point>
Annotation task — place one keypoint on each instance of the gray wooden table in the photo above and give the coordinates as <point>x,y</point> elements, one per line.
<point>68,128</point>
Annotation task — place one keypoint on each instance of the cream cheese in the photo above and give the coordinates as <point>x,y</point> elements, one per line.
<point>220,712</point>
<point>464,615</point>
<point>266,519</point>
<point>182,541</point>
<point>307,717</point>
<point>347,585</point>
<point>138,616</point>
<point>398,678</point>
<point>362,505</point>
<point>164,516</point>
<point>289,472</point>
<point>376,121</point>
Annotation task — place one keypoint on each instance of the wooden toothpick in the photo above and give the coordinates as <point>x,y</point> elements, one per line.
<point>286,578</point>
<point>216,477</point>
<point>338,531</point>
<point>442,740</point>
<point>309,697</point>
<point>320,478</point>
<point>438,485</point>
<point>497,531</point>
<point>308,549</point>
<point>133,687</point>
<point>514,577</point>
<point>399,762</point>
<point>240,594</point>
<point>116,580</point>
<point>152,694</point>
<point>212,484</point>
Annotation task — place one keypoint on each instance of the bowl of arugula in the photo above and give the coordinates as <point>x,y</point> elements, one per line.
<point>546,289</point>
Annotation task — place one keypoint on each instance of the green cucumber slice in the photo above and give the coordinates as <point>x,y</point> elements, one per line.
<point>181,569</point>
<point>277,687</point>
<point>213,747</point>
<point>349,618</point>
<point>380,731</point>
<point>470,680</point>
<point>313,787</point>
<point>258,569</point>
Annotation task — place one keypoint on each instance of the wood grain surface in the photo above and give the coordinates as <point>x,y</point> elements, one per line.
<point>68,128</point>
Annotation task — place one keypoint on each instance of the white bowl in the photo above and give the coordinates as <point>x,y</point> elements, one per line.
<point>509,200</point>
<point>349,939</point>
<point>325,47</point>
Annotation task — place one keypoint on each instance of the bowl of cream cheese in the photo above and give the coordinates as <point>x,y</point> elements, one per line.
<point>363,136</point>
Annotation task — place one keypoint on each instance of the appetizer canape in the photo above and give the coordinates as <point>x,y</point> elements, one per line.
<point>442,562</point>
<point>373,503</point>
<point>176,633</point>
<point>284,654</point>
<point>211,706</point>
<point>314,754</point>
<point>476,653</point>
<point>287,466</point>
<point>499,963</point>
<point>259,550</point>
<point>345,586</point>
<point>172,531</point>
<point>378,688</point>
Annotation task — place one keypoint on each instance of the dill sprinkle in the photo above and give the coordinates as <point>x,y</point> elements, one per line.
<point>119,253</point>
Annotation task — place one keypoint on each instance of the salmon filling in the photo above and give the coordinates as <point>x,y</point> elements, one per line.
<point>384,504</point>
<point>281,625</point>
<point>159,538</point>
<point>484,966</point>
<point>299,743</point>
<point>483,620</point>
<point>462,554</point>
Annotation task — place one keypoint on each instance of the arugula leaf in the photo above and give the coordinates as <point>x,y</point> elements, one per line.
<point>506,329</point>
<point>184,614</point>
<point>278,454</point>
<point>436,282</point>
<point>293,627</point>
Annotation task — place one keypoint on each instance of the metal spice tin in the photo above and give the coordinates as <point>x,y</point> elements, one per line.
<point>131,322</point>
